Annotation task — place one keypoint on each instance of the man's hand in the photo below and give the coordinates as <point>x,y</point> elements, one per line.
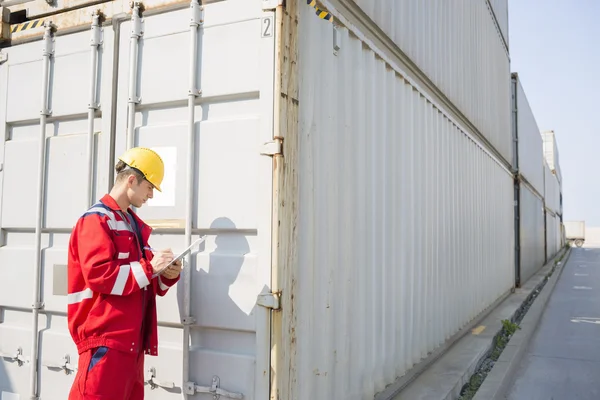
<point>173,271</point>
<point>161,259</point>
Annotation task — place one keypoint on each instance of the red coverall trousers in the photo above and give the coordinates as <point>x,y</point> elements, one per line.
<point>105,374</point>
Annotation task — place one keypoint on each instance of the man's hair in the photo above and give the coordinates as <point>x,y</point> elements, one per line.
<point>123,171</point>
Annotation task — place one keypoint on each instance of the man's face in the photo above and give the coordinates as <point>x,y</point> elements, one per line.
<point>139,193</point>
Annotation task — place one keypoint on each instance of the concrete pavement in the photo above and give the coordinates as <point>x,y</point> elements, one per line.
<point>562,361</point>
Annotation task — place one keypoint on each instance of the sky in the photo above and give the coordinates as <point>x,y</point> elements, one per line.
<point>555,47</point>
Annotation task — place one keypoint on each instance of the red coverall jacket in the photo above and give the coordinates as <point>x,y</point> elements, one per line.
<point>111,293</point>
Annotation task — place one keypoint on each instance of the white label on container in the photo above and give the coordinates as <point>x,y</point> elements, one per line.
<point>9,396</point>
<point>167,197</point>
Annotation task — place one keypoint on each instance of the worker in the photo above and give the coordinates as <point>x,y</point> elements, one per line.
<point>111,289</point>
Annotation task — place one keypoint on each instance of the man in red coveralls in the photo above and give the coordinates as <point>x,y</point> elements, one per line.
<point>112,292</point>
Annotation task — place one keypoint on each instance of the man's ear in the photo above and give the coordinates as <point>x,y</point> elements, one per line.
<point>130,180</point>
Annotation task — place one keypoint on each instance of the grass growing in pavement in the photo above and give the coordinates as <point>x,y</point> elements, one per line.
<point>508,329</point>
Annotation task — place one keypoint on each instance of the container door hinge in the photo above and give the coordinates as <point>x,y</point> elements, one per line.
<point>191,388</point>
<point>64,365</point>
<point>151,375</point>
<point>18,356</point>
<point>269,300</point>
<point>3,57</point>
<point>271,4</point>
<point>272,148</point>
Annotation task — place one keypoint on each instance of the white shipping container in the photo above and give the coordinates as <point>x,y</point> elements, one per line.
<point>530,147</point>
<point>575,229</point>
<point>459,47</point>
<point>531,233</point>
<point>353,224</point>
<point>552,234</point>
<point>551,153</point>
<point>500,8</point>
<point>551,190</point>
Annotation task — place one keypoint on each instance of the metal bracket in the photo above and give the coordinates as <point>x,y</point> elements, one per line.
<point>214,389</point>
<point>195,92</point>
<point>272,148</point>
<point>3,57</point>
<point>18,357</point>
<point>50,29</point>
<point>336,40</point>
<point>65,365</point>
<point>40,304</point>
<point>136,19</point>
<point>137,100</point>
<point>271,4</point>
<point>97,32</point>
<point>269,300</point>
<point>197,18</point>
<point>188,320</point>
<point>156,383</point>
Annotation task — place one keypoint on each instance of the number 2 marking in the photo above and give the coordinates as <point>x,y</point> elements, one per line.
<point>267,27</point>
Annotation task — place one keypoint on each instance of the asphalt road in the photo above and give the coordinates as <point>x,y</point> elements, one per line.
<point>562,361</point>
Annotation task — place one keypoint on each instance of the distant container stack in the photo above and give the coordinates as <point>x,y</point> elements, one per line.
<point>538,222</point>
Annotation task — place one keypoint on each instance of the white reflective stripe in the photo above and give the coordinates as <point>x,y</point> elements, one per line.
<point>118,225</point>
<point>121,280</point>
<point>102,210</point>
<point>161,284</point>
<point>74,298</point>
<point>123,256</point>
<point>139,274</point>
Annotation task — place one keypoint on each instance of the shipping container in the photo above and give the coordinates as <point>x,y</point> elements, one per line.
<point>575,232</point>
<point>531,233</point>
<point>530,162</point>
<point>354,223</point>
<point>552,234</point>
<point>439,36</point>
<point>551,153</point>
<point>500,9</point>
<point>551,190</point>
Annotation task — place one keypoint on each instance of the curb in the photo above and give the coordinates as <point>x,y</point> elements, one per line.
<point>501,377</point>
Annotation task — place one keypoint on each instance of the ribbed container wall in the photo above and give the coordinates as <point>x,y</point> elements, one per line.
<point>531,157</point>
<point>551,153</point>
<point>439,36</point>
<point>405,225</point>
<point>551,190</point>
<point>500,8</point>
<point>531,233</point>
<point>552,235</point>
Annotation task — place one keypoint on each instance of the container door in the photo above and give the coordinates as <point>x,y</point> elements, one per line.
<point>65,196</point>
<point>231,193</point>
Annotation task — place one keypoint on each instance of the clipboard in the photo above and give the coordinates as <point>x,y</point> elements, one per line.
<point>181,255</point>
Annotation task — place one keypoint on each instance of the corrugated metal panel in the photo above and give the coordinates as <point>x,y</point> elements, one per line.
<point>531,157</point>
<point>551,190</point>
<point>531,233</point>
<point>552,235</point>
<point>457,45</point>
<point>500,8</point>
<point>551,153</point>
<point>231,191</point>
<point>405,226</point>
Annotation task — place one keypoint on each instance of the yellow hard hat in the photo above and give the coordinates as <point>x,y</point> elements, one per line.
<point>148,162</point>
